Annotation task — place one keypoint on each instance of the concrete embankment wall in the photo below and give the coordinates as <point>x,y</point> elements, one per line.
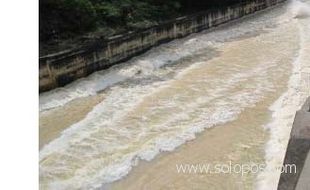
<point>59,69</point>
<point>297,153</point>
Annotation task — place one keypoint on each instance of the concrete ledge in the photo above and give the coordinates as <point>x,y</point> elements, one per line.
<point>297,150</point>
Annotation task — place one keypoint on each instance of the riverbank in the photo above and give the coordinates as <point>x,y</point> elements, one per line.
<point>201,99</point>
<point>61,68</point>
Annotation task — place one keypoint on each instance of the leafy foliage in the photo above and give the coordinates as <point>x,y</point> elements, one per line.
<point>62,19</point>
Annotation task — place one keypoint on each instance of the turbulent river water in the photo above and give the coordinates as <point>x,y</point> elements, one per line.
<point>97,130</point>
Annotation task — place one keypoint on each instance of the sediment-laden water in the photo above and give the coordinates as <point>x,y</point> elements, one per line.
<point>245,80</point>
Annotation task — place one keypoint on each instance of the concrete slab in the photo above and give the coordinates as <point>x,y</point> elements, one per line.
<point>304,179</point>
<point>298,152</point>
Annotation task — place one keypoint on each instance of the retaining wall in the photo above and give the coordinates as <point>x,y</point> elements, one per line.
<point>56,70</point>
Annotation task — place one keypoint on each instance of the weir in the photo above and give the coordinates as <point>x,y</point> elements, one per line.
<point>59,69</point>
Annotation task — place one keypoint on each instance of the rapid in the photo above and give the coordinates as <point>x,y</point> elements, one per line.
<point>161,100</point>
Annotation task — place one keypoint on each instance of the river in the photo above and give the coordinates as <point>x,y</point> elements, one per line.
<point>227,94</point>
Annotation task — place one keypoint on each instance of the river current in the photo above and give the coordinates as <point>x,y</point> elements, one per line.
<point>164,98</point>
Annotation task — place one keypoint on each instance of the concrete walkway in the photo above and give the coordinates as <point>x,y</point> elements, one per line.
<point>304,179</point>
<point>298,153</point>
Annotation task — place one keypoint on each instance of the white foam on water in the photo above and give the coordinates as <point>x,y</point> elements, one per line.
<point>300,10</point>
<point>284,109</point>
<point>112,138</point>
<point>85,87</point>
<point>89,139</point>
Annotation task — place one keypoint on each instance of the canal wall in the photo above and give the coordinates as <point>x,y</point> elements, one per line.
<point>297,153</point>
<point>59,69</point>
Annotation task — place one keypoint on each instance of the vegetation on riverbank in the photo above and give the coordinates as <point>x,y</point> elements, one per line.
<point>64,20</point>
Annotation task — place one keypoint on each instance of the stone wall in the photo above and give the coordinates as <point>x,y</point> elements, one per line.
<point>56,70</point>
